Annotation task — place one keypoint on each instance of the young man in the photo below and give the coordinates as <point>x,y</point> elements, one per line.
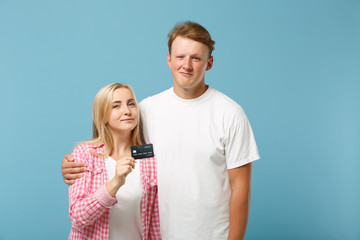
<point>204,146</point>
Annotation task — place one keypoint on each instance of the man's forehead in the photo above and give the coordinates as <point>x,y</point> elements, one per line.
<point>185,44</point>
<point>186,39</point>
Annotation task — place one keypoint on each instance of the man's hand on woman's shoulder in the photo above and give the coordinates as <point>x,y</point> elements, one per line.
<point>71,170</point>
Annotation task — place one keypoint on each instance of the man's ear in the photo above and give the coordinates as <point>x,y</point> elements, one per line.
<point>168,59</point>
<point>210,63</point>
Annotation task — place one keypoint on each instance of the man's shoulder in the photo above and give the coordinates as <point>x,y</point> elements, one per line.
<point>155,98</point>
<point>223,97</point>
<point>227,104</point>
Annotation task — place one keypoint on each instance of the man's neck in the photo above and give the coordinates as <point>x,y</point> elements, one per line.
<point>190,93</point>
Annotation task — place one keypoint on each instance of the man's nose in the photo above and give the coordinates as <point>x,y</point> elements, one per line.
<point>187,64</point>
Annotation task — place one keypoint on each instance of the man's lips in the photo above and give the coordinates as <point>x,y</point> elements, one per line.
<point>186,74</point>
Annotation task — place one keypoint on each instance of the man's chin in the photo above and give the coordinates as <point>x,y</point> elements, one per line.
<point>188,84</point>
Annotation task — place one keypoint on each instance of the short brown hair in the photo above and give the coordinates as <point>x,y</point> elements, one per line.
<point>193,31</point>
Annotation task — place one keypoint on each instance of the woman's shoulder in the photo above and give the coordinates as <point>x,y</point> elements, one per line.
<point>84,147</point>
<point>85,151</point>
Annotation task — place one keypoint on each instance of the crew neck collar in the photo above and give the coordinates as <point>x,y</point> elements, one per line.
<point>199,99</point>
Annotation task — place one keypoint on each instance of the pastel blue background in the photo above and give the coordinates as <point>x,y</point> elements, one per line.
<point>294,66</point>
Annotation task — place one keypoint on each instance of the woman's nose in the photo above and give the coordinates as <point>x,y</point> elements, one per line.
<point>127,110</point>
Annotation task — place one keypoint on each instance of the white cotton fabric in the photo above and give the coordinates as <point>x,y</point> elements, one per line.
<point>125,218</point>
<point>196,141</point>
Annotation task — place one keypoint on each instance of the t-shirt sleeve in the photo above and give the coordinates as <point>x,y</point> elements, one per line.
<point>240,145</point>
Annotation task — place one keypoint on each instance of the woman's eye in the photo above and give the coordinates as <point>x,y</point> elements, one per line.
<point>116,106</point>
<point>132,104</point>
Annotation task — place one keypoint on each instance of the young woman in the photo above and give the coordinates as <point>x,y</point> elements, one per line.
<point>117,197</point>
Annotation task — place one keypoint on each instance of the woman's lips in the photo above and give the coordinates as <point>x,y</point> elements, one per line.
<point>127,120</point>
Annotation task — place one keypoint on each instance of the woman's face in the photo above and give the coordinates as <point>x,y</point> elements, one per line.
<point>124,111</point>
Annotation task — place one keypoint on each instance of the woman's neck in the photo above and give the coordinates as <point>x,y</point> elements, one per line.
<point>122,144</point>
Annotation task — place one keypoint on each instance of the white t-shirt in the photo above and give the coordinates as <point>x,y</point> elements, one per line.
<point>196,141</point>
<point>125,218</point>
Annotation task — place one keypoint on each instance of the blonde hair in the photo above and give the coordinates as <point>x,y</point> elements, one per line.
<point>101,111</point>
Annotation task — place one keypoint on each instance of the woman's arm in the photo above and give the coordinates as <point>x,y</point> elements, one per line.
<point>86,208</point>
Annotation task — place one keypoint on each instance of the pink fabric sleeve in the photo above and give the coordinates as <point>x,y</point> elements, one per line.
<point>104,197</point>
<point>86,208</point>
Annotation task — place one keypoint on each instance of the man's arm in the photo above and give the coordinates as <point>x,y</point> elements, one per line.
<point>240,180</point>
<point>71,170</point>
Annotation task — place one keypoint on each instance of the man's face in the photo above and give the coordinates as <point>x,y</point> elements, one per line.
<point>188,62</point>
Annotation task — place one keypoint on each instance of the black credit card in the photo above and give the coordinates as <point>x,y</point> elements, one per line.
<point>142,151</point>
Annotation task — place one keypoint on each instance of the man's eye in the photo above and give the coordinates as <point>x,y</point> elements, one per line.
<point>179,57</point>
